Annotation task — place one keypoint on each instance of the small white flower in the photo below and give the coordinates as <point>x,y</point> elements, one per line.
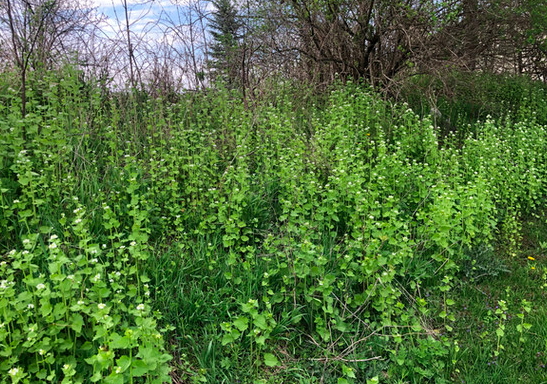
<point>25,252</point>
<point>133,244</point>
<point>52,246</point>
<point>94,261</point>
<point>12,252</point>
<point>101,306</point>
<point>30,306</point>
<point>40,286</point>
<point>77,221</point>
<point>81,302</point>
<point>118,369</point>
<point>26,241</point>
<point>70,277</point>
<point>66,367</point>
<point>53,237</point>
<point>13,371</point>
<point>97,277</point>
<point>140,307</point>
<point>42,352</point>
<point>16,201</point>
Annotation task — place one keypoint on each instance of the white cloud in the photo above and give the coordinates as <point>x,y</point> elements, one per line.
<point>159,28</point>
<point>153,3</point>
<point>118,3</point>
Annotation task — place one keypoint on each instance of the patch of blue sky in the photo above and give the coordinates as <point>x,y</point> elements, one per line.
<point>146,17</point>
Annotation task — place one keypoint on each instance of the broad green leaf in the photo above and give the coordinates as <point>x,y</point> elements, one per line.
<point>241,323</point>
<point>139,368</point>
<point>76,322</point>
<point>270,360</point>
<point>119,342</point>
<point>124,362</point>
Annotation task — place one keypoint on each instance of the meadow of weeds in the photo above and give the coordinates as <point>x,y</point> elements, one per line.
<point>304,239</point>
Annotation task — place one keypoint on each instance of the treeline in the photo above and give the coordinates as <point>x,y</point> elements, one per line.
<point>191,45</point>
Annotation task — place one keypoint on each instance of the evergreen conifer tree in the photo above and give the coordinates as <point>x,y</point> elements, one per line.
<point>226,32</point>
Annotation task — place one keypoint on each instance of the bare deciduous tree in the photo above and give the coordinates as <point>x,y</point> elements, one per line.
<point>42,32</point>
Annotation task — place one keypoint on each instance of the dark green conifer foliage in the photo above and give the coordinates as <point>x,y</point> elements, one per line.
<point>225,51</point>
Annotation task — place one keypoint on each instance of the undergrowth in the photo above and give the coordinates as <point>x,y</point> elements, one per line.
<point>285,242</point>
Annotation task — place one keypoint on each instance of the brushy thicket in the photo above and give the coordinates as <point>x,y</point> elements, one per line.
<point>286,241</point>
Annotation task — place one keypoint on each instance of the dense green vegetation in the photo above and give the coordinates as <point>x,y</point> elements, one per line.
<point>304,239</point>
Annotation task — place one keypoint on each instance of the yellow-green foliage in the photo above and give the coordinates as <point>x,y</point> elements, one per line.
<point>332,234</point>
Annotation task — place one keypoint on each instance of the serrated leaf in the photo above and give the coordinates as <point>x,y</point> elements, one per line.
<point>114,379</point>
<point>260,321</point>
<point>270,360</point>
<point>149,356</point>
<point>145,279</point>
<point>139,368</point>
<point>119,342</point>
<point>241,323</point>
<point>76,322</point>
<point>230,337</point>
<point>124,362</point>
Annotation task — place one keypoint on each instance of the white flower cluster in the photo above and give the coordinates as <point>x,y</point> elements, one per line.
<point>5,284</point>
